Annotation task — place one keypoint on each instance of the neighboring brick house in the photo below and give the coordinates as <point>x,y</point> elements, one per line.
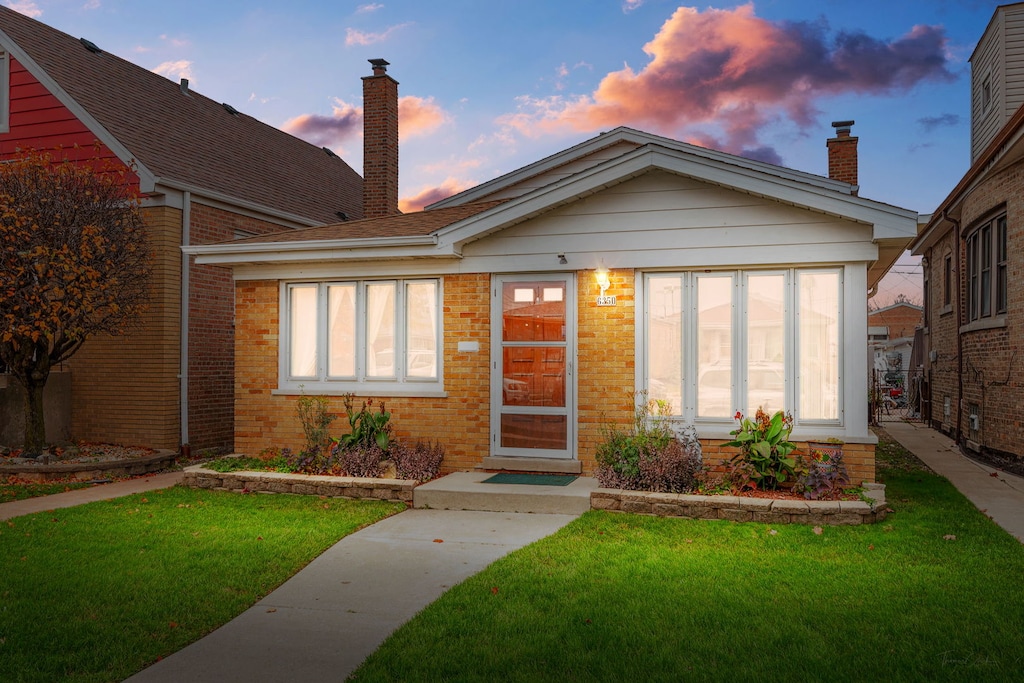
<point>207,174</point>
<point>974,262</point>
<point>512,321</point>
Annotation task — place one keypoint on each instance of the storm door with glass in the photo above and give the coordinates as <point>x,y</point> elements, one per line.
<point>533,350</point>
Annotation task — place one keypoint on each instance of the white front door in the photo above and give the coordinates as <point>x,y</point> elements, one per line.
<point>533,348</point>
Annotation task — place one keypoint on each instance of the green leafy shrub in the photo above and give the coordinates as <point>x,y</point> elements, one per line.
<point>649,456</point>
<point>368,427</point>
<point>764,460</point>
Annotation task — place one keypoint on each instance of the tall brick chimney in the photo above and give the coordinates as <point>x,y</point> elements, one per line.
<point>842,155</point>
<point>380,142</point>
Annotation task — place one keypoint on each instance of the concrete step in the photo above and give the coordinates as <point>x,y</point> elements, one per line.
<point>465,491</point>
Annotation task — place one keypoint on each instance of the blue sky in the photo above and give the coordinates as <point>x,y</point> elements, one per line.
<point>490,86</point>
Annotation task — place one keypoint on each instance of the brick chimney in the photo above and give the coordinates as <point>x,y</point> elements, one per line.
<point>842,155</point>
<point>380,142</point>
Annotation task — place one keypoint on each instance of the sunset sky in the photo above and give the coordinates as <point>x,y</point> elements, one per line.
<point>488,87</point>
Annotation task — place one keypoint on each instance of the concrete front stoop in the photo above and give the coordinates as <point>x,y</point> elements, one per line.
<point>465,491</point>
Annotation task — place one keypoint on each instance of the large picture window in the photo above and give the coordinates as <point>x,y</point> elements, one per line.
<point>721,342</point>
<point>346,334</point>
<point>986,270</point>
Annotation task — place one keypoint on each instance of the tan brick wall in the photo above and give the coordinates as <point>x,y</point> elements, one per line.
<point>942,331</point>
<point>461,421</point>
<point>606,343</point>
<point>125,389</point>
<point>606,371</point>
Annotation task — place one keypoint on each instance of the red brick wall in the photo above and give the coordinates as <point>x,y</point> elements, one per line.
<point>211,334</point>
<point>992,360</point>
<point>380,145</point>
<point>941,336</point>
<point>901,319</point>
<point>842,158</point>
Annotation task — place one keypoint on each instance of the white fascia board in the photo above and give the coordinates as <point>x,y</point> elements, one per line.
<point>227,253</point>
<point>624,134</point>
<point>147,181</point>
<point>887,221</point>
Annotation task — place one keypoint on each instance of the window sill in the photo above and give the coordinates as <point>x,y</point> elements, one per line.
<point>945,310</point>
<point>375,390</point>
<point>995,322</point>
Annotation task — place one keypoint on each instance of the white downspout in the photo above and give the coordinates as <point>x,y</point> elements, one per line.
<point>186,219</point>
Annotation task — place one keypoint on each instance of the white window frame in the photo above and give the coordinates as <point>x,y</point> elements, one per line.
<point>360,383</point>
<point>687,413</point>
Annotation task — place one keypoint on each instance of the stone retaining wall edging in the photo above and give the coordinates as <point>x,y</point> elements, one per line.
<point>741,509</point>
<point>200,477</point>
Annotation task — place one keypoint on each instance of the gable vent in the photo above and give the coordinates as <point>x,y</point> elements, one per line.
<point>90,46</point>
<point>229,109</point>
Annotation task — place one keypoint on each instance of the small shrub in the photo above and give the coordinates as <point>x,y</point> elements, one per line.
<point>316,461</point>
<point>421,462</point>
<point>367,427</point>
<point>765,450</point>
<point>360,460</point>
<point>315,421</point>
<point>826,474</point>
<point>649,456</point>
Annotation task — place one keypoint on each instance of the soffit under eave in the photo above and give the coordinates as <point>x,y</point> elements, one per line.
<point>889,251</point>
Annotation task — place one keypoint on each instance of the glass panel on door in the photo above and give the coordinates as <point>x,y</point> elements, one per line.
<point>534,346</point>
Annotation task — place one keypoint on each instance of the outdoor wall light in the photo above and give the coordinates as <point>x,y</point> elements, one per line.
<point>562,260</point>
<point>603,281</point>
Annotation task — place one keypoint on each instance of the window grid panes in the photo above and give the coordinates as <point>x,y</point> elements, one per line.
<point>986,277</point>
<point>384,331</point>
<point>721,342</point>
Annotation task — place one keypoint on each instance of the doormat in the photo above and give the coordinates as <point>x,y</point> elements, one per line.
<point>531,479</point>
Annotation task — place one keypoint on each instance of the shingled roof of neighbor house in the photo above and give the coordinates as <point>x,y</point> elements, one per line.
<point>398,225</point>
<point>186,139</point>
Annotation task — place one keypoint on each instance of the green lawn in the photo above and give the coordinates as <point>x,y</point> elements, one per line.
<point>96,592</point>
<point>19,490</point>
<point>620,597</point>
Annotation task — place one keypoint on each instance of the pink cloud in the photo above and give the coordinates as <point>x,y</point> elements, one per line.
<point>416,116</point>
<point>327,131</point>
<point>419,116</point>
<point>356,37</point>
<point>26,7</point>
<point>736,72</point>
<point>429,195</point>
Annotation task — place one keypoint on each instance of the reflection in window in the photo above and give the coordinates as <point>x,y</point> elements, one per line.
<point>818,345</point>
<point>766,342</point>
<point>714,346</point>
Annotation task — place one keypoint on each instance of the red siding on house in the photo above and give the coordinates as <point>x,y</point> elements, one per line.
<point>38,120</point>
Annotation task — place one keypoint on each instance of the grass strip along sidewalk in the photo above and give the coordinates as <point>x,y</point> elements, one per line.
<point>932,593</point>
<point>97,592</point>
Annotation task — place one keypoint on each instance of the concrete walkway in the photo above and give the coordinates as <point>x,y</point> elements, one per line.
<point>998,494</point>
<point>88,495</point>
<point>323,622</point>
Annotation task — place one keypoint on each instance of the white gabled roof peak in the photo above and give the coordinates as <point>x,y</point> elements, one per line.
<point>638,138</point>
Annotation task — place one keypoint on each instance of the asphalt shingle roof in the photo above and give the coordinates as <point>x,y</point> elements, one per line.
<point>399,225</point>
<point>191,139</point>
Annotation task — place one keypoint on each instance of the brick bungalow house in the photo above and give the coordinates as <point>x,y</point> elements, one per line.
<point>513,320</point>
<point>973,262</point>
<point>207,174</point>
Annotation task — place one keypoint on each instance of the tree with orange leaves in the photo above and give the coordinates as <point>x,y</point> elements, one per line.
<point>74,262</point>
